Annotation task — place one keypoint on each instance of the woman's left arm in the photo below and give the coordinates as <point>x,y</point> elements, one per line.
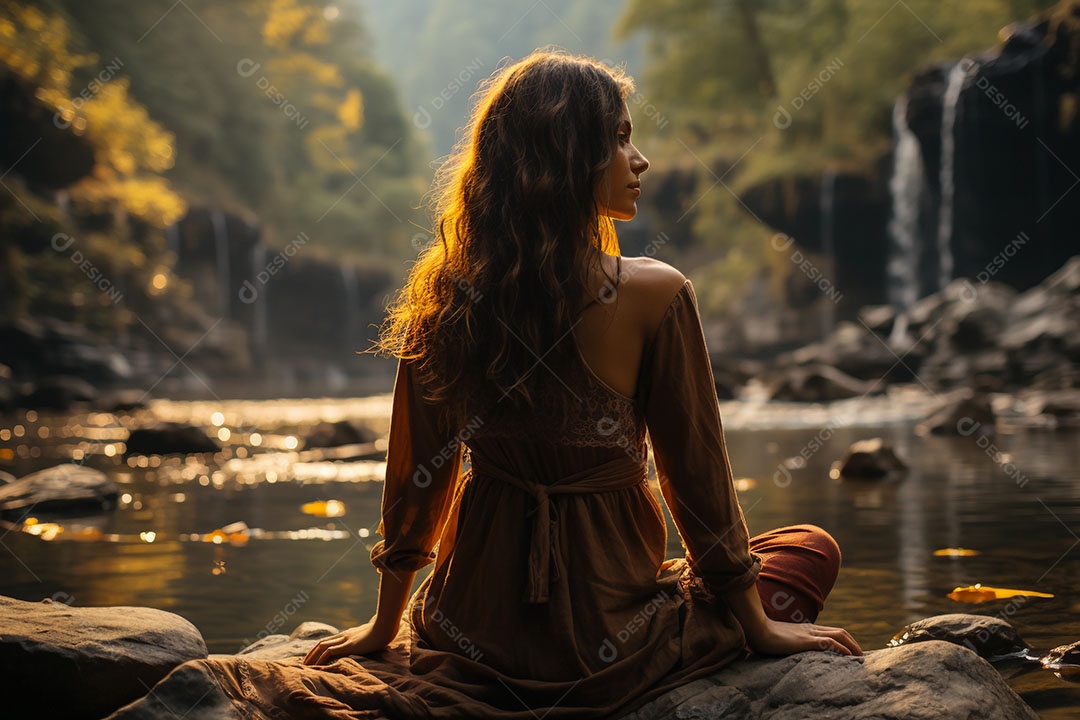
<point>423,463</point>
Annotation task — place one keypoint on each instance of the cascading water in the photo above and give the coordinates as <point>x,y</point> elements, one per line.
<point>172,241</point>
<point>260,331</point>
<point>907,186</point>
<point>953,88</point>
<point>63,204</point>
<point>827,202</point>
<point>348,282</point>
<point>221,247</point>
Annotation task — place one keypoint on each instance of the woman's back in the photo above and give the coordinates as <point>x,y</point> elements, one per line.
<point>611,334</point>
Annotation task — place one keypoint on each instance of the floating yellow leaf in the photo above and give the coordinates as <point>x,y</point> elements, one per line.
<point>45,531</point>
<point>956,552</point>
<point>979,593</point>
<point>324,508</point>
<point>236,533</point>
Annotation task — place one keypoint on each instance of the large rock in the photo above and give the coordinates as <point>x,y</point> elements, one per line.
<point>793,205</point>
<point>1008,111</point>
<point>59,661</point>
<point>1058,409</point>
<point>64,488</point>
<point>169,439</point>
<point>41,348</point>
<point>821,383</point>
<point>965,413</point>
<point>58,392</point>
<point>856,351</point>
<point>924,681</point>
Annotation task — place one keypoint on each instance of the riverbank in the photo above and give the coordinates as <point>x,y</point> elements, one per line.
<point>106,658</point>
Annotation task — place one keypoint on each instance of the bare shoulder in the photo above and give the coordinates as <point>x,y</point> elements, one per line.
<point>652,284</point>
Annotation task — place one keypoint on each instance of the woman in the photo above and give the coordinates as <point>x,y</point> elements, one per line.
<point>528,345</point>
<point>490,324</point>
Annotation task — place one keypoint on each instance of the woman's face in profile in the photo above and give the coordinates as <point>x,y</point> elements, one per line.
<point>619,188</point>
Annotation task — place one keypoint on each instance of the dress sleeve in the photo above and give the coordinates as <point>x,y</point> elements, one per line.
<point>423,461</point>
<point>683,418</point>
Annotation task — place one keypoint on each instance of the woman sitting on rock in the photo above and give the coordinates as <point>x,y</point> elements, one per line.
<point>531,350</point>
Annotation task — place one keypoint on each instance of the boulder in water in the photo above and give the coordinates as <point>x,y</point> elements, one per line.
<point>335,434</point>
<point>1064,660</point>
<point>64,488</point>
<point>170,439</point>
<point>871,459</point>
<point>991,637</point>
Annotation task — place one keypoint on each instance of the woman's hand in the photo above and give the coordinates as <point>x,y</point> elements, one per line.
<point>374,635</point>
<point>360,640</point>
<point>775,637</point>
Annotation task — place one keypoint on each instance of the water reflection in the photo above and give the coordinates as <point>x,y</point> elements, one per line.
<point>230,540</point>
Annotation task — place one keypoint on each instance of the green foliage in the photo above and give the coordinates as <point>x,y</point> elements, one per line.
<point>277,107</point>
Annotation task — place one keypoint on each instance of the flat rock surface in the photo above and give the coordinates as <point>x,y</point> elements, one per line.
<point>85,662</point>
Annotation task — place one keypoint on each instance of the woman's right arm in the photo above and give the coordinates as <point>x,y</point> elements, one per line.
<point>775,637</point>
<point>683,417</point>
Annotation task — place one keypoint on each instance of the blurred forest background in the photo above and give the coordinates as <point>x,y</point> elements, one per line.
<point>185,148</point>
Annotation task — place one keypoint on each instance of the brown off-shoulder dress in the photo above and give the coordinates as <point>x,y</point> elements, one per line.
<point>551,595</point>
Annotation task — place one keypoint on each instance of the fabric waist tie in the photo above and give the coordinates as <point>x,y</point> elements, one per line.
<point>619,473</point>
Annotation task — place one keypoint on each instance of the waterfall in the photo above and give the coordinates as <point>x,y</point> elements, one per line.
<point>951,99</point>
<point>221,246</point>
<point>827,203</point>
<point>260,331</point>
<point>172,241</point>
<point>906,187</point>
<point>348,282</point>
<point>63,204</point>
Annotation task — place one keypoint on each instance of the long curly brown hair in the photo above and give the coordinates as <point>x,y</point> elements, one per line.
<point>516,237</point>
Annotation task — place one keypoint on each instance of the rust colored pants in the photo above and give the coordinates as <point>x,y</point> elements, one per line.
<point>799,566</point>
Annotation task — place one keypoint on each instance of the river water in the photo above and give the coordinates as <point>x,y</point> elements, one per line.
<point>1017,503</point>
